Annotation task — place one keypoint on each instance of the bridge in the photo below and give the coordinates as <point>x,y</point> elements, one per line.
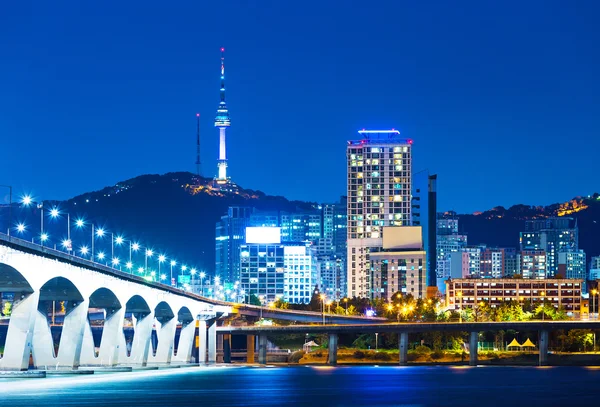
<point>145,322</point>
<point>403,329</point>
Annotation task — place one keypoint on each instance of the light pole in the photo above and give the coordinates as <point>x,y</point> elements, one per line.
<point>594,292</point>
<point>149,253</point>
<point>460,294</point>
<point>161,260</point>
<point>322,297</point>
<point>376,341</point>
<point>9,206</point>
<point>173,263</point>
<point>346,301</point>
<point>202,275</point>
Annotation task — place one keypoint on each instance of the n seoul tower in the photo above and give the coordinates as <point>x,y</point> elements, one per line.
<point>222,122</point>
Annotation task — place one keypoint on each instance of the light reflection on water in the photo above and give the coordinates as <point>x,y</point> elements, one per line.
<point>313,386</point>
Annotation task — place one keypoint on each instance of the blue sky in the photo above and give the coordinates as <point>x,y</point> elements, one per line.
<point>500,98</point>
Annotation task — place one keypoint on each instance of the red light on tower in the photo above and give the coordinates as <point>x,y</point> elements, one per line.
<point>222,49</point>
<point>409,141</point>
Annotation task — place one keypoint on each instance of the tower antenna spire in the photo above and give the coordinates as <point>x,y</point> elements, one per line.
<point>198,165</point>
<point>222,122</point>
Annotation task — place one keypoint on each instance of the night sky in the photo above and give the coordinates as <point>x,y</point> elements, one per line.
<point>501,98</point>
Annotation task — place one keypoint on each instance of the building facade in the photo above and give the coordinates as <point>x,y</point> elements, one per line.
<point>572,264</point>
<point>467,293</point>
<point>533,264</point>
<point>379,194</point>
<point>230,234</point>
<point>424,214</point>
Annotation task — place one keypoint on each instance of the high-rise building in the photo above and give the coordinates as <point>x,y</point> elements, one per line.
<point>572,264</point>
<point>379,194</point>
<point>533,264</point>
<point>332,277</point>
<point>492,263</point>
<point>511,262</point>
<point>400,264</point>
<point>335,226</point>
<point>594,269</point>
<point>424,214</point>
<point>272,269</point>
<point>552,235</point>
<point>222,122</point>
<point>230,234</point>
<point>448,241</point>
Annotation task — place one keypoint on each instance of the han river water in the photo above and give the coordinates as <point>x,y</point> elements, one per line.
<point>313,386</point>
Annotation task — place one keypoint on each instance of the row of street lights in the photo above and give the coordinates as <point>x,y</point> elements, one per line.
<point>99,233</point>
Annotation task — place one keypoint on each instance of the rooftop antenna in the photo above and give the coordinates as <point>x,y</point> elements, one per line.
<point>198,164</point>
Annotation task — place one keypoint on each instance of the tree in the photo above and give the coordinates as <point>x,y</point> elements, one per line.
<point>281,304</point>
<point>254,300</point>
<point>7,309</point>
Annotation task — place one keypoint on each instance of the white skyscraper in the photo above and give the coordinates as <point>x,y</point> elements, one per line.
<point>379,194</point>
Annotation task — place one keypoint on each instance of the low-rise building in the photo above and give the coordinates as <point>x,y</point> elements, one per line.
<point>468,292</point>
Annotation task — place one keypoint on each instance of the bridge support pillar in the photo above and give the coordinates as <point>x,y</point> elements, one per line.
<point>212,343</point>
<point>140,347</point>
<point>403,348</point>
<point>543,346</point>
<point>262,349</point>
<point>333,347</point>
<point>166,342</point>
<point>226,348</point>
<point>202,339</point>
<point>186,343</point>
<point>250,344</point>
<point>19,336</point>
<point>473,347</point>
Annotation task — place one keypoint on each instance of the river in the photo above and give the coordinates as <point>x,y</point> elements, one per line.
<point>313,386</point>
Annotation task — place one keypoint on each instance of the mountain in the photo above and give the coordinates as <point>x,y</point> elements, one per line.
<point>500,227</point>
<point>174,213</point>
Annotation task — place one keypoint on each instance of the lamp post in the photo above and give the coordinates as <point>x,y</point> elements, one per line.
<point>346,301</point>
<point>460,294</point>
<point>173,263</point>
<point>322,297</point>
<point>149,253</point>
<point>376,341</point>
<point>202,275</point>
<point>9,206</point>
<point>594,292</point>
<point>543,293</point>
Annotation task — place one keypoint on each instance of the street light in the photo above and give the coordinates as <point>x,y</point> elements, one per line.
<point>346,301</point>
<point>20,228</point>
<point>202,275</point>
<point>149,253</point>
<point>594,292</point>
<point>543,293</point>
<point>173,263</point>
<point>161,260</point>
<point>460,294</point>
<point>322,297</point>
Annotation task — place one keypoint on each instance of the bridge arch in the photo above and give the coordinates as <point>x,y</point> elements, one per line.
<point>184,319</point>
<point>163,314</point>
<point>14,288</point>
<point>104,304</point>
<point>136,309</point>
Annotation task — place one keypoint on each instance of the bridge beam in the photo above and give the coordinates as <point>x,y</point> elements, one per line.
<point>543,346</point>
<point>403,348</point>
<point>250,344</point>
<point>262,349</point>
<point>473,347</point>
<point>212,342</point>
<point>333,347</point>
<point>202,339</point>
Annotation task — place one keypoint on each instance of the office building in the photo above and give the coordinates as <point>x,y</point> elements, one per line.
<point>467,293</point>
<point>511,262</point>
<point>230,234</point>
<point>424,214</point>
<point>491,264</point>
<point>572,264</point>
<point>449,240</point>
<point>332,277</point>
<point>400,265</point>
<point>379,195</point>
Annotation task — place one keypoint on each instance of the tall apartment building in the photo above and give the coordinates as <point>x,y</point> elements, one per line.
<point>552,235</point>
<point>379,194</point>
<point>511,262</point>
<point>448,241</point>
<point>533,264</point>
<point>594,269</point>
<point>492,263</point>
<point>335,226</point>
<point>400,265</point>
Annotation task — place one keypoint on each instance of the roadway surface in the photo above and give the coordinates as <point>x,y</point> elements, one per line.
<point>411,327</point>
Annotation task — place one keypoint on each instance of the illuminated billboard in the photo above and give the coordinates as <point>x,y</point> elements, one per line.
<point>263,235</point>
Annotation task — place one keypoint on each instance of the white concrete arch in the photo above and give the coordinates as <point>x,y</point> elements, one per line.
<point>166,324</point>
<point>142,316</point>
<point>183,353</point>
<point>112,330</point>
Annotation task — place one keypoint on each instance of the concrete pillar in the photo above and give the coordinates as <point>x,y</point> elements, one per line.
<point>473,347</point>
<point>403,348</point>
<point>262,349</point>
<point>212,343</point>
<point>333,347</point>
<point>202,339</point>
<point>140,348</point>
<point>112,334</point>
<point>220,348</point>
<point>226,348</point>
<point>166,342</point>
<point>69,351</point>
<point>19,336</point>
<point>250,348</point>
<point>186,343</point>
<point>42,346</point>
<point>543,346</point>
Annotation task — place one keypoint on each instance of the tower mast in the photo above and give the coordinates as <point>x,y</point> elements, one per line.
<point>198,165</point>
<point>222,122</point>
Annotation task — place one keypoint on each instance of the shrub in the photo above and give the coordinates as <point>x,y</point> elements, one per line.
<point>493,355</point>
<point>422,350</point>
<point>411,357</point>
<point>318,354</point>
<point>359,354</point>
<point>382,356</point>
<point>437,354</point>
<point>296,356</point>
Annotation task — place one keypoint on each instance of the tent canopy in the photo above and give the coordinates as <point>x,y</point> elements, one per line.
<point>528,344</point>
<point>514,343</point>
